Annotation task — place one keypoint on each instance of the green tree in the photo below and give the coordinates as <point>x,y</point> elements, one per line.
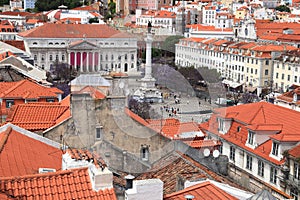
<point>283,8</point>
<point>169,44</point>
<point>45,5</point>
<point>94,20</point>
<point>4,2</point>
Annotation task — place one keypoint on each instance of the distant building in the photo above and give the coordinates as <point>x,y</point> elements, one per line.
<point>29,4</point>
<point>85,47</point>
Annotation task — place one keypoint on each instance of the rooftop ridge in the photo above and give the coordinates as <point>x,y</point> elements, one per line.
<point>14,87</point>
<point>31,135</point>
<point>4,138</point>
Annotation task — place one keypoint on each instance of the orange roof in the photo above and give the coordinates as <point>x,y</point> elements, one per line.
<point>201,27</point>
<point>88,8</point>
<point>50,30</point>
<point>261,115</point>
<point>203,143</point>
<point>295,152</point>
<point>96,94</point>
<point>38,116</point>
<point>21,154</point>
<point>16,43</point>
<point>172,127</point>
<point>4,55</point>
<point>203,191</point>
<point>66,184</point>
<point>26,89</point>
<point>273,47</point>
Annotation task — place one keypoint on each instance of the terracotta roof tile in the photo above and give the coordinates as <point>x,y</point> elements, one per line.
<point>21,154</point>
<point>26,89</point>
<point>203,143</point>
<point>95,93</point>
<point>203,191</point>
<point>38,116</point>
<point>261,115</point>
<point>64,184</point>
<point>16,43</point>
<point>50,30</point>
<point>295,152</point>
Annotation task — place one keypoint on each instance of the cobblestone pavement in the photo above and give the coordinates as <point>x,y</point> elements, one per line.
<point>189,109</point>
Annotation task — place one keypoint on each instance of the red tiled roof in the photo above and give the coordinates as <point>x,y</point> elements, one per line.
<point>66,184</point>
<point>50,30</point>
<point>26,89</point>
<point>38,116</point>
<point>4,55</point>
<point>295,152</point>
<point>16,43</point>
<point>15,13</point>
<point>202,191</point>
<point>172,127</point>
<point>21,154</point>
<point>96,94</point>
<point>257,115</point>
<point>201,27</point>
<point>203,143</point>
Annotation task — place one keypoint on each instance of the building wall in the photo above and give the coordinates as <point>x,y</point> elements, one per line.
<point>41,49</point>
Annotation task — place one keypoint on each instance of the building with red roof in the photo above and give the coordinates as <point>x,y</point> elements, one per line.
<point>34,167</point>
<point>86,47</point>
<point>24,91</point>
<point>201,191</point>
<point>39,117</point>
<point>255,137</point>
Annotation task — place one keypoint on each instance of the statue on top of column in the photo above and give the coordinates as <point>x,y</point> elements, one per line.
<point>149,27</point>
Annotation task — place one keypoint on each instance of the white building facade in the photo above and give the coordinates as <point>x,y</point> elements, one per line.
<point>85,47</point>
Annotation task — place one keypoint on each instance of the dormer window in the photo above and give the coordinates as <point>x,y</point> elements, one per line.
<point>145,152</point>
<point>221,124</point>
<point>275,149</point>
<point>250,137</point>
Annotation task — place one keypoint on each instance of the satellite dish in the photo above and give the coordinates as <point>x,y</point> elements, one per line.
<point>206,152</point>
<point>216,153</point>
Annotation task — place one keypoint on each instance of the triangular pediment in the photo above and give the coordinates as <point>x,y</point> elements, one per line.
<point>83,45</point>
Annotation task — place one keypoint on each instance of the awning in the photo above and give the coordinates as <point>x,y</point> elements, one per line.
<point>231,84</point>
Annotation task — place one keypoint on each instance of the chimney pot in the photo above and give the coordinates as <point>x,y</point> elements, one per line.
<point>129,180</point>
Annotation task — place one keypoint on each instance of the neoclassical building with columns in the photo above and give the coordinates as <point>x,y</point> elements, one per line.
<point>85,47</point>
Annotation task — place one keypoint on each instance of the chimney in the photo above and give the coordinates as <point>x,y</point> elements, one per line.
<point>129,180</point>
<point>101,178</point>
<point>189,197</point>
<point>145,189</point>
<point>6,55</point>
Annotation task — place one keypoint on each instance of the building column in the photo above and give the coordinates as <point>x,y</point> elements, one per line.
<point>87,61</point>
<point>93,60</point>
<point>81,61</point>
<point>69,58</point>
<point>99,62</point>
<point>75,57</point>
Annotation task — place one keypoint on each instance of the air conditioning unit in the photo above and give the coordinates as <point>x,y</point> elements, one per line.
<point>46,170</point>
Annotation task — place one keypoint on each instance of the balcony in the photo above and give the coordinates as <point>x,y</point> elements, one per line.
<point>294,181</point>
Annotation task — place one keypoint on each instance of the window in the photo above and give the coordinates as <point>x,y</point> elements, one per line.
<point>221,124</point>
<point>50,100</point>
<point>43,57</point>
<point>266,72</point>
<point>296,171</point>
<point>9,103</point>
<point>35,57</point>
<point>238,129</point>
<point>232,153</point>
<point>63,57</point>
<point>145,152</point>
<point>273,175</point>
<point>267,62</point>
<point>282,76</point>
<point>275,148</point>
<point>98,133</point>
<point>249,162</point>
<point>295,79</point>
<point>250,137</point>
<point>56,57</point>
<point>50,57</point>
<point>260,168</point>
<point>255,71</point>
<point>30,100</point>
<point>288,77</point>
